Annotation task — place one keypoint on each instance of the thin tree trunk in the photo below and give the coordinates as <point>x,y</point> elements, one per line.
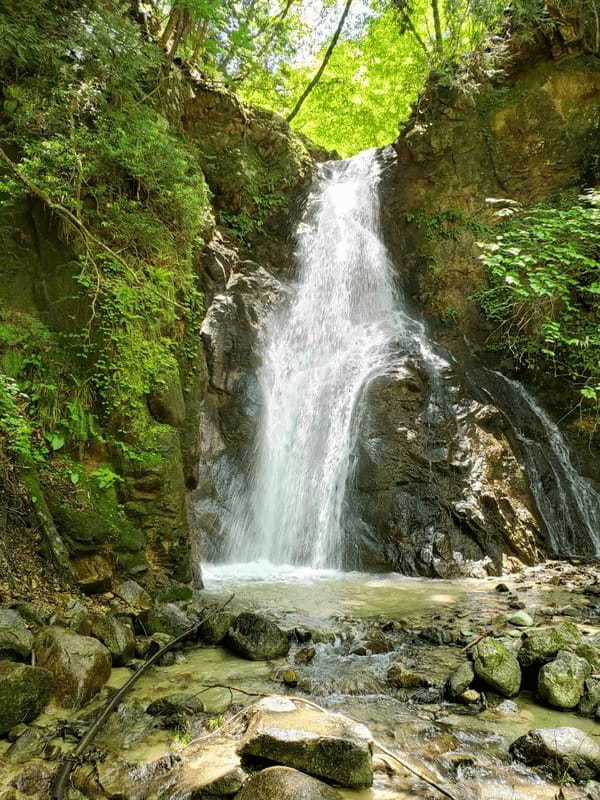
<point>411,27</point>
<point>317,77</point>
<point>173,17</point>
<point>439,40</point>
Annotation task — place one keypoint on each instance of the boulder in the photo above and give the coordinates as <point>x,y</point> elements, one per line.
<point>24,693</point>
<point>167,618</point>
<point>116,635</point>
<point>15,644</point>
<point>79,665</point>
<point>561,682</point>
<point>497,667</point>
<point>590,650</point>
<point>589,705</point>
<point>560,750</point>
<point>284,783</point>
<point>93,573</point>
<point>214,629</point>
<point>460,680</point>
<point>541,645</point>
<point>135,598</point>
<point>326,745</point>
<point>255,637</point>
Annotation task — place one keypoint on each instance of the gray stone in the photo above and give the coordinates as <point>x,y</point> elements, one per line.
<point>79,665</point>
<point>10,618</point>
<point>24,693</point>
<point>116,635</point>
<point>326,745</point>
<point>15,644</point>
<point>460,680</point>
<point>561,750</point>
<point>167,618</point>
<point>496,666</point>
<point>257,638</point>
<point>561,682</point>
<point>135,598</point>
<point>283,783</point>
<point>541,645</point>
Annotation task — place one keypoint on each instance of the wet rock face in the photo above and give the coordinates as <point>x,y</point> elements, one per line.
<point>79,665</point>
<point>24,692</point>
<point>560,750</point>
<point>285,784</point>
<point>437,484</point>
<point>230,407</point>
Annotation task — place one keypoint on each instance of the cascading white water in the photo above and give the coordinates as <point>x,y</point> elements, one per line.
<point>572,511</point>
<point>318,353</point>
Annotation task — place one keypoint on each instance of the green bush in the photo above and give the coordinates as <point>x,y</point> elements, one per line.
<point>544,270</point>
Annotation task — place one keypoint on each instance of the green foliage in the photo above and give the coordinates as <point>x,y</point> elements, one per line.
<point>544,270</point>
<point>76,80</point>
<point>15,430</point>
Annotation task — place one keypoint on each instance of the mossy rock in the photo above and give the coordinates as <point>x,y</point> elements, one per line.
<point>541,645</point>
<point>561,682</point>
<point>24,693</point>
<point>497,667</point>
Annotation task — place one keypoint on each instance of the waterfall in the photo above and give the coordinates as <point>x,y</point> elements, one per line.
<point>343,323</point>
<point>318,353</point>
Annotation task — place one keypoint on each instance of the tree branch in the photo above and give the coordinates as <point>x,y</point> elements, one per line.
<point>328,53</point>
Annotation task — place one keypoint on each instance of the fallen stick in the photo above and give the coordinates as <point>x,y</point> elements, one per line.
<point>483,635</point>
<point>62,776</point>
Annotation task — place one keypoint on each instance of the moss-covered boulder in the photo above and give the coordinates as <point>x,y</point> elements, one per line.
<point>79,665</point>
<point>325,745</point>
<point>167,618</point>
<point>497,667</point>
<point>561,682</point>
<point>541,645</point>
<point>460,680</point>
<point>257,638</point>
<point>284,783</point>
<point>215,628</point>
<point>24,692</point>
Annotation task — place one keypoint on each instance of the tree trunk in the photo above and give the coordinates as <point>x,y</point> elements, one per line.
<point>439,39</point>
<point>321,70</point>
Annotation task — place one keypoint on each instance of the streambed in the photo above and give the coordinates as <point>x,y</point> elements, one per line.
<point>426,621</point>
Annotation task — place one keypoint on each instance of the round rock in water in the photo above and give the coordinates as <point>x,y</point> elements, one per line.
<point>257,638</point>
<point>283,783</point>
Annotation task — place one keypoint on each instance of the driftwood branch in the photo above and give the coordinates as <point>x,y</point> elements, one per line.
<point>483,635</point>
<point>62,776</point>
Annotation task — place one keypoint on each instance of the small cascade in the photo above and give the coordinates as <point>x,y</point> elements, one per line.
<point>567,502</point>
